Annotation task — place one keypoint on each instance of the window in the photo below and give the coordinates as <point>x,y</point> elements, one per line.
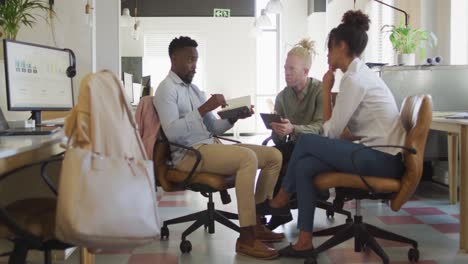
<point>379,47</point>
<point>156,61</point>
<point>268,68</point>
<point>459,34</point>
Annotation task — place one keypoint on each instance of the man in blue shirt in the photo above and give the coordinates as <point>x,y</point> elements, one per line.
<point>186,118</point>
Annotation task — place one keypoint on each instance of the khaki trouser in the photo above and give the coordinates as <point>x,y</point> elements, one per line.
<point>241,160</point>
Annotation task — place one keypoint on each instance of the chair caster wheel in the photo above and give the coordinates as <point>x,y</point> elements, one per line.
<point>310,260</point>
<point>413,255</point>
<point>185,246</point>
<point>164,233</point>
<point>330,213</point>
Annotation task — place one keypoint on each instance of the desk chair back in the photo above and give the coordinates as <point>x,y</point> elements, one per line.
<point>162,159</point>
<point>415,116</point>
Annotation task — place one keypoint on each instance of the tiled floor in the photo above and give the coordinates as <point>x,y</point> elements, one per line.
<point>427,218</point>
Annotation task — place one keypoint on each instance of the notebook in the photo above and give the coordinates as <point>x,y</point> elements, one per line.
<point>236,107</point>
<point>270,118</point>
<point>5,129</point>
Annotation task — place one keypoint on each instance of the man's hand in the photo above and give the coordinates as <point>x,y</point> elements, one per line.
<point>245,114</point>
<point>284,128</point>
<point>242,115</point>
<point>215,101</point>
<point>328,79</point>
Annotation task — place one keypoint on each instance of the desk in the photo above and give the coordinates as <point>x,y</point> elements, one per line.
<point>457,128</point>
<point>17,151</point>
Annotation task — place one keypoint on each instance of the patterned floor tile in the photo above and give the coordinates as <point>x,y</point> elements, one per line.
<point>399,220</point>
<point>175,193</point>
<point>347,255</point>
<point>438,219</point>
<point>153,258</point>
<point>172,203</point>
<point>419,262</point>
<point>424,211</point>
<point>447,228</point>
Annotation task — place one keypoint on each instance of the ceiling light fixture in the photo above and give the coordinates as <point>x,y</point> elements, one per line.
<point>136,25</point>
<point>274,7</point>
<point>125,18</point>
<point>263,21</point>
<point>89,13</point>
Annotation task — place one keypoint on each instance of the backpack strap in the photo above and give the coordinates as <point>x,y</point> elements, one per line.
<point>131,118</point>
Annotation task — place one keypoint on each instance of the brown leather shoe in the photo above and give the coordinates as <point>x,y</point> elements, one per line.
<point>266,235</point>
<point>258,250</point>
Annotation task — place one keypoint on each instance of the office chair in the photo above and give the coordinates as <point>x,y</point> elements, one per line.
<point>30,223</point>
<point>322,203</point>
<point>415,115</point>
<point>171,179</point>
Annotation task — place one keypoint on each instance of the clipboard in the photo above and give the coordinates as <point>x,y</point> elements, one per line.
<point>269,118</point>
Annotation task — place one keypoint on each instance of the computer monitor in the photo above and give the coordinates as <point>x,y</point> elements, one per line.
<point>146,85</point>
<point>36,78</point>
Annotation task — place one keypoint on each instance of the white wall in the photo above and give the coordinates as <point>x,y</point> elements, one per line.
<point>71,31</point>
<point>107,36</point>
<point>293,28</point>
<point>230,52</point>
<point>318,32</point>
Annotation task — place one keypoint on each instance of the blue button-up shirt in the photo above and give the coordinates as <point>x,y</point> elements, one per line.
<point>177,105</point>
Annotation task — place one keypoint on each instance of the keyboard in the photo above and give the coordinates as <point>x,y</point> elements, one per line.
<point>36,131</point>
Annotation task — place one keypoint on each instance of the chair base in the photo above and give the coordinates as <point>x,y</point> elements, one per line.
<point>364,237</point>
<point>331,209</point>
<point>206,218</point>
<point>21,248</point>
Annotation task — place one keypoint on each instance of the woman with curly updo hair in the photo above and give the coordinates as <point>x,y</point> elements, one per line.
<point>365,113</point>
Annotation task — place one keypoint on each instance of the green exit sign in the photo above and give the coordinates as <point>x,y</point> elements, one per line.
<point>219,12</point>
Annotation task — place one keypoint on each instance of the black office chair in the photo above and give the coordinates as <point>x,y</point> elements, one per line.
<point>171,179</point>
<point>30,223</point>
<point>322,203</point>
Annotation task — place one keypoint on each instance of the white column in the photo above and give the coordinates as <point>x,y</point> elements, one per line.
<point>107,52</point>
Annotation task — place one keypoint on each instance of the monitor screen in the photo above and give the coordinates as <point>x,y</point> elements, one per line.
<point>36,77</point>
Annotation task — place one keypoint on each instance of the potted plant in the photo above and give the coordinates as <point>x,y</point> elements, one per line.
<point>16,13</point>
<point>406,41</point>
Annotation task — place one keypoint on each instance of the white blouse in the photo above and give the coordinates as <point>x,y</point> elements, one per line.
<point>367,107</point>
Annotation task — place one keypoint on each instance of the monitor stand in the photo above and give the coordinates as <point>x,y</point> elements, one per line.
<point>37,117</point>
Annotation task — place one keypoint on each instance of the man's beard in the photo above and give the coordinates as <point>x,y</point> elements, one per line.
<point>187,79</point>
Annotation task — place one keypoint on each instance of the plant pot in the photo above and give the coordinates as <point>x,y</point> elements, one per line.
<point>407,59</point>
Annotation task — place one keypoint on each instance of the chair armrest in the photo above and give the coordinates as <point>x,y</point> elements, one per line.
<point>198,156</point>
<point>265,142</point>
<point>43,164</point>
<point>353,154</point>
<point>228,139</point>
<point>45,176</point>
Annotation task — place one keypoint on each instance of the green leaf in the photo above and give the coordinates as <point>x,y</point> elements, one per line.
<point>407,40</point>
<point>17,13</point>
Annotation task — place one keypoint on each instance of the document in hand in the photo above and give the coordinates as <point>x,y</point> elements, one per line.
<point>235,107</point>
